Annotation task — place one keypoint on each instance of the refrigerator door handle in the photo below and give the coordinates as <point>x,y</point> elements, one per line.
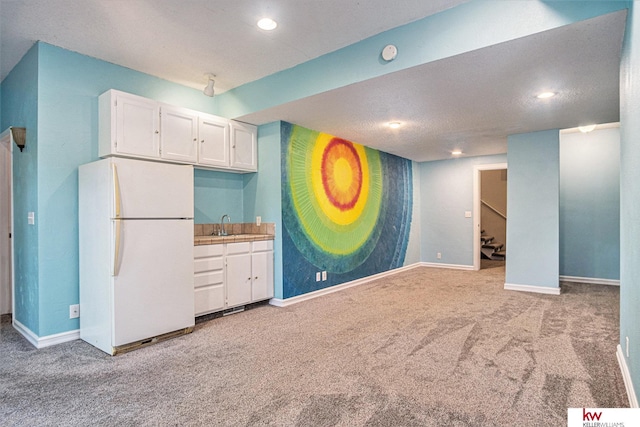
<point>116,191</point>
<point>116,249</point>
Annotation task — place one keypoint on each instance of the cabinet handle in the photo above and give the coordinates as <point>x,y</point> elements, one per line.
<point>195,139</point>
<point>157,131</point>
<point>256,278</point>
<point>202,141</point>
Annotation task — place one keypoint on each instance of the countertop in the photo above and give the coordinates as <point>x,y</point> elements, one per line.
<point>216,240</point>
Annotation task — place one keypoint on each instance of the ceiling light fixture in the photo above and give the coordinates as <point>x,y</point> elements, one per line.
<point>586,128</point>
<point>209,91</point>
<point>267,24</point>
<point>456,152</point>
<point>394,125</point>
<point>545,95</point>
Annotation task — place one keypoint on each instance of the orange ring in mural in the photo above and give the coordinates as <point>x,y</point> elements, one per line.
<point>341,174</point>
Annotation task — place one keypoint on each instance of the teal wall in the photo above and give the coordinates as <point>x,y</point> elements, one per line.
<point>630,194</point>
<point>216,194</point>
<point>446,192</point>
<point>262,192</point>
<point>20,109</point>
<point>533,207</point>
<point>590,204</point>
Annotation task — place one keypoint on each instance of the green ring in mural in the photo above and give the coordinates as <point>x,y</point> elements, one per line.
<point>337,206</point>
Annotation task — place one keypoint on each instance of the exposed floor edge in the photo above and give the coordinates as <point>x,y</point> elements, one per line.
<point>528,288</point>
<point>278,302</point>
<point>628,384</point>
<point>42,342</point>
<point>590,280</point>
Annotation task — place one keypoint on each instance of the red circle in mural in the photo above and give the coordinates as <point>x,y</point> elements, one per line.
<point>341,174</point>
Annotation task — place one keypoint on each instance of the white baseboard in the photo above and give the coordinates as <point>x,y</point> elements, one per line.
<point>42,342</point>
<point>590,280</point>
<point>278,302</point>
<point>628,384</point>
<point>449,266</point>
<point>530,288</point>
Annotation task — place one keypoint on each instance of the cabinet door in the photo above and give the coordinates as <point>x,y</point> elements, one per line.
<point>137,126</point>
<point>262,275</point>
<point>238,279</point>
<point>214,141</point>
<point>178,134</point>
<point>243,146</point>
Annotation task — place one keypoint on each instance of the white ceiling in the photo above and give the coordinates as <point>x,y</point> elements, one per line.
<point>471,101</point>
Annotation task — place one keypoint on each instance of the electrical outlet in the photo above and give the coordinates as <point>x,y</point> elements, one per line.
<point>324,276</point>
<point>318,276</point>
<point>74,311</point>
<point>439,255</point>
<point>258,220</point>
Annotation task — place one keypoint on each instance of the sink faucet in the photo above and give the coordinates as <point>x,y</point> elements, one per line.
<point>222,231</point>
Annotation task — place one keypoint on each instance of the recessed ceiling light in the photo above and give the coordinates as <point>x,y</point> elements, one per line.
<point>394,125</point>
<point>586,128</point>
<point>545,95</point>
<point>267,24</point>
<point>456,152</point>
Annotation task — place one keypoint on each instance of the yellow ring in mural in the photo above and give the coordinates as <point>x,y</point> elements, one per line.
<point>335,192</point>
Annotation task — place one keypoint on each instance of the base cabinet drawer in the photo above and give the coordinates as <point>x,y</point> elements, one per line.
<point>209,299</point>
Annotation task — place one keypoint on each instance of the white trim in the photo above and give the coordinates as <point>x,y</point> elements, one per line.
<point>449,266</point>
<point>598,127</point>
<point>530,288</point>
<point>49,340</point>
<point>628,384</point>
<point>590,280</point>
<point>477,169</point>
<point>6,137</point>
<point>278,302</point>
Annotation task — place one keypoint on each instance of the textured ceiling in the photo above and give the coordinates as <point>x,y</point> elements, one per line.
<point>474,100</point>
<point>182,40</point>
<point>471,101</point>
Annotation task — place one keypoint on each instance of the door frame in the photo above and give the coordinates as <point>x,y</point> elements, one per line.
<point>477,190</point>
<point>6,139</point>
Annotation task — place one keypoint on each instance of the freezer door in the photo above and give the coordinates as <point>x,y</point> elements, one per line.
<point>145,189</point>
<point>153,288</point>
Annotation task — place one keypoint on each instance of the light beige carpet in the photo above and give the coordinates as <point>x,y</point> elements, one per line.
<point>425,347</point>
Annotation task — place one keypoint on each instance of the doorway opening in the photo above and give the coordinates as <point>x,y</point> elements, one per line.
<point>490,215</point>
<point>6,225</point>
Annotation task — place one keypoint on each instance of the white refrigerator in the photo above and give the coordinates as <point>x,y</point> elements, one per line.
<point>136,252</point>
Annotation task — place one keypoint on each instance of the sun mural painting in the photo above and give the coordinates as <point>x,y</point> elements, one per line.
<point>346,209</point>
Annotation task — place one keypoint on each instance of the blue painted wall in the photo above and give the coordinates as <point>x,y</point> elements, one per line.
<point>262,192</point>
<point>533,206</point>
<point>446,192</point>
<point>630,194</point>
<point>216,194</point>
<point>590,204</point>
<point>20,109</point>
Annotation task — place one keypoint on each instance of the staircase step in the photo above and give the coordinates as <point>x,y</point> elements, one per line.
<point>486,239</point>
<point>499,255</point>
<point>496,246</point>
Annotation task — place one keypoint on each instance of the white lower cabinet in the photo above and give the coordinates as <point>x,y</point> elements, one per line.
<point>238,262</point>
<point>232,274</point>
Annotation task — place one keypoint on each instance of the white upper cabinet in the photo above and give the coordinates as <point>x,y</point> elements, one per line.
<point>243,146</point>
<point>129,125</point>
<point>133,126</point>
<point>213,141</point>
<point>178,134</point>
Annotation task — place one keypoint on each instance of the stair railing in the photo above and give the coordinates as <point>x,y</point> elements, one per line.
<point>493,209</point>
